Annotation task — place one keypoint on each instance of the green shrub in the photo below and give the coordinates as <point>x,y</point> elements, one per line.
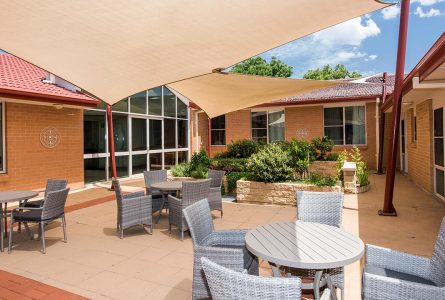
<point>200,159</point>
<point>229,164</point>
<point>181,170</point>
<point>321,147</point>
<point>342,157</point>
<point>362,170</point>
<point>270,164</point>
<point>333,156</point>
<point>199,172</point>
<point>300,152</point>
<point>232,178</point>
<point>241,149</point>
<point>320,180</point>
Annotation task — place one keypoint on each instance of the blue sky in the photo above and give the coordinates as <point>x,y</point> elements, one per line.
<point>367,44</point>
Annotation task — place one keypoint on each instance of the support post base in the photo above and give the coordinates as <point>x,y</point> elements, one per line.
<point>387,214</point>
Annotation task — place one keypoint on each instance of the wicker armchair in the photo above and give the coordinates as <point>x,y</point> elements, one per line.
<point>51,185</point>
<point>324,208</point>
<point>192,191</point>
<point>215,197</point>
<point>132,209</point>
<point>151,177</point>
<point>225,247</point>
<point>53,208</point>
<point>228,284</point>
<point>390,274</point>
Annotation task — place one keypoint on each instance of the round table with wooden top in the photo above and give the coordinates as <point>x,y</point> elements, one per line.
<point>305,245</point>
<point>11,196</point>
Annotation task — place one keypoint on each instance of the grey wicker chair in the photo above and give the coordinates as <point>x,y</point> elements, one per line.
<point>215,197</point>
<point>53,208</point>
<point>151,177</point>
<point>51,185</point>
<point>132,209</point>
<point>225,247</point>
<point>390,274</point>
<point>324,208</point>
<point>192,191</point>
<point>228,284</point>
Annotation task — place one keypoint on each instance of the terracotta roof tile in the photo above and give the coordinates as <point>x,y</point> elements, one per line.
<point>17,75</point>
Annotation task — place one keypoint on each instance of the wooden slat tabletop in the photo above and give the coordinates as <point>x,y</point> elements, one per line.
<point>304,245</point>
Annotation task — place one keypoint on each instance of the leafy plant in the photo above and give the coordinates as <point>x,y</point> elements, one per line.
<point>200,159</point>
<point>229,164</point>
<point>270,164</point>
<point>362,170</point>
<point>342,157</point>
<point>259,66</point>
<point>333,156</point>
<point>199,172</point>
<point>300,152</point>
<point>181,170</point>
<point>240,149</point>
<point>322,146</point>
<point>232,178</point>
<point>319,180</point>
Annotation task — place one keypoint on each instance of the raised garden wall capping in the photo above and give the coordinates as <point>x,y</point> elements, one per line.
<point>275,193</point>
<point>324,168</point>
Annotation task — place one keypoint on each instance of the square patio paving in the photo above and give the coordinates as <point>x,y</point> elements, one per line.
<point>95,263</point>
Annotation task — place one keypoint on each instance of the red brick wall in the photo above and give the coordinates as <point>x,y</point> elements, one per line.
<point>29,163</point>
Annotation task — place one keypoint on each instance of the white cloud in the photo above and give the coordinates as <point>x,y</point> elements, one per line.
<point>372,57</point>
<point>390,12</point>
<point>431,13</point>
<point>427,2</point>
<point>351,32</point>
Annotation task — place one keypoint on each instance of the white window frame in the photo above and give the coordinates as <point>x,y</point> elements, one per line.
<point>344,124</point>
<point>267,111</point>
<point>212,129</point>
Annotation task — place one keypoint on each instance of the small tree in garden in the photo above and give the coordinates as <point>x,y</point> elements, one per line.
<point>342,157</point>
<point>300,152</point>
<point>362,170</point>
<point>322,146</point>
<point>270,164</point>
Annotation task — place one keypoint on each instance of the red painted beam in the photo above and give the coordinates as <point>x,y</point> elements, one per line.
<point>111,142</point>
<point>388,207</point>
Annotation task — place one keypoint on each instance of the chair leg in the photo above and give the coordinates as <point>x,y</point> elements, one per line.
<point>65,239</point>
<point>221,213</point>
<point>170,228</point>
<point>42,236</point>
<point>182,235</point>
<point>10,234</point>
<point>122,233</point>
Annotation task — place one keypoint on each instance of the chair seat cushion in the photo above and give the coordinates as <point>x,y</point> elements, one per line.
<point>396,275</point>
<point>32,216</point>
<point>36,203</point>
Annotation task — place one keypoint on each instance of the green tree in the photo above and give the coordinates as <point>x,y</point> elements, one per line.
<point>329,73</point>
<point>259,66</point>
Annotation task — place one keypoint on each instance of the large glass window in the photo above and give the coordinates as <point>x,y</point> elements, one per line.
<point>94,132</point>
<point>182,134</point>
<point>155,101</point>
<point>155,132</point>
<point>120,128</point>
<point>138,134</point>
<point>138,103</point>
<point>150,132</point>
<point>268,126</point>
<point>345,125</point>
<point>169,103</point>
<point>218,131</point>
<point>169,133</point>
<point>439,152</point>
<point>276,126</point>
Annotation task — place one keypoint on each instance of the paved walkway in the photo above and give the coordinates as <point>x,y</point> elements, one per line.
<point>96,264</point>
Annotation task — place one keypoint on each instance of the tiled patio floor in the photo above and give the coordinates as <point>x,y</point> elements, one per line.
<point>95,263</point>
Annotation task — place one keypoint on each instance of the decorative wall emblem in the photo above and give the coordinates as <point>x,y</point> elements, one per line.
<point>49,137</point>
<point>302,133</point>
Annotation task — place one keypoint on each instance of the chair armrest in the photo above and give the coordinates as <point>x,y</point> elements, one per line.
<point>174,203</point>
<point>379,287</point>
<point>326,294</point>
<point>398,261</point>
<point>228,237</point>
<point>134,194</point>
<point>27,208</point>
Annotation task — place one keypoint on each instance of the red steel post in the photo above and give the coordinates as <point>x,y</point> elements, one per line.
<point>388,207</point>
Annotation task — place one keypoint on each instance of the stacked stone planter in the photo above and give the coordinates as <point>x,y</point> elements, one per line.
<point>275,193</point>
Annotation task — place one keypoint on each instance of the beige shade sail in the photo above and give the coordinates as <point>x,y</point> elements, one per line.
<point>218,94</point>
<point>113,49</point>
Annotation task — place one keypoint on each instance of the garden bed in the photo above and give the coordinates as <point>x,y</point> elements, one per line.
<point>275,193</point>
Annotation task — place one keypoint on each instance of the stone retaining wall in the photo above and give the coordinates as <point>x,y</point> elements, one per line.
<point>275,193</point>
